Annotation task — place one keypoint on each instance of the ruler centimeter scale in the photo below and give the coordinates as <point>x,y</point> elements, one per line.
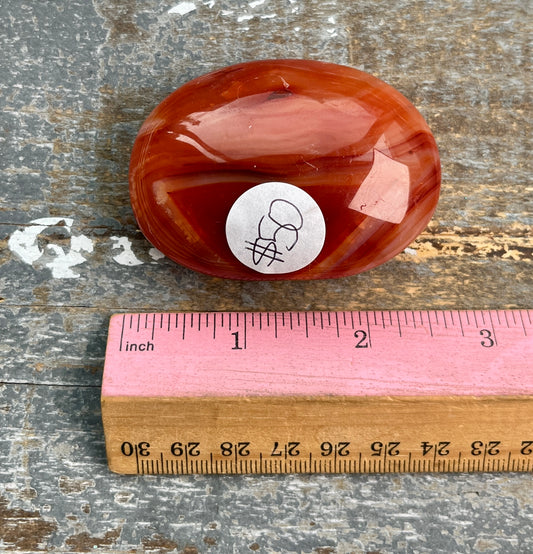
<point>319,392</point>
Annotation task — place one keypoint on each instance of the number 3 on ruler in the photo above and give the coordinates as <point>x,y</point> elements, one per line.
<point>487,341</point>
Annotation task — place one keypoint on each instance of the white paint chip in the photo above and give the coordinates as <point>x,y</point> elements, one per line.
<point>24,244</point>
<point>62,262</point>
<point>126,257</point>
<point>81,242</point>
<point>62,257</point>
<point>49,221</point>
<point>155,254</point>
<point>183,8</point>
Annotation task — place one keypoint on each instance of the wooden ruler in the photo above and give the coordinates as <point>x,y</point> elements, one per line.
<point>314,392</point>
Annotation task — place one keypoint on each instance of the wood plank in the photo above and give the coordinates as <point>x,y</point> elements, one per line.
<point>78,80</point>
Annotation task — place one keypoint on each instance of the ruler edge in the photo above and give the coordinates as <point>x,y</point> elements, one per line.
<point>392,398</point>
<point>475,403</point>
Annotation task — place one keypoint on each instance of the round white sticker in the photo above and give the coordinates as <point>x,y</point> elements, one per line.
<point>275,228</point>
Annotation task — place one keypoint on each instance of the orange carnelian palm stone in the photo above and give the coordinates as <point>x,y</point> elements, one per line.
<point>284,169</point>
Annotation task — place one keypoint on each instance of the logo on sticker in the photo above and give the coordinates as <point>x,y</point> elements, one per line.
<point>275,228</point>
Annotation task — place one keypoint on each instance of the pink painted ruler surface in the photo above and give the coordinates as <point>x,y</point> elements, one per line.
<point>405,353</point>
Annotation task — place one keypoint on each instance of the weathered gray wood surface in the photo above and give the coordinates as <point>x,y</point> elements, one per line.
<point>76,81</point>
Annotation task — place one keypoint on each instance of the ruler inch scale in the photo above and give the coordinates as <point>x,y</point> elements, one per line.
<point>319,392</point>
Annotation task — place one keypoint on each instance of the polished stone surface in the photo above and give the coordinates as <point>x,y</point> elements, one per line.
<point>355,145</point>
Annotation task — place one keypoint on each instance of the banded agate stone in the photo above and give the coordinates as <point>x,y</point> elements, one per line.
<point>284,169</point>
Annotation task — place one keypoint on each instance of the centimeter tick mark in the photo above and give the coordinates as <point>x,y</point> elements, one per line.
<point>523,324</point>
<point>461,324</point>
<point>122,332</point>
<point>399,324</point>
<point>493,331</point>
<point>368,329</point>
<point>429,322</point>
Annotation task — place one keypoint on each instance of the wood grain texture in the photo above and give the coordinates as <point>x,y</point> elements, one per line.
<point>276,434</point>
<point>78,79</point>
